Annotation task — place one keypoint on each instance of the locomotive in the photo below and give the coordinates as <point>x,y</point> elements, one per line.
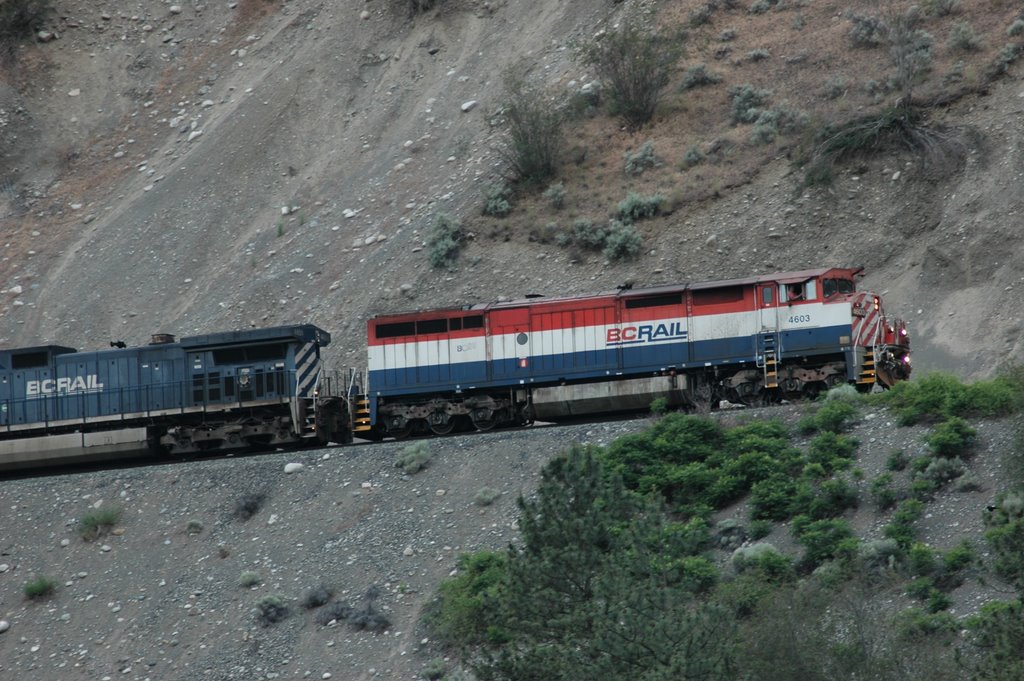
<point>751,341</point>
<point>257,389</point>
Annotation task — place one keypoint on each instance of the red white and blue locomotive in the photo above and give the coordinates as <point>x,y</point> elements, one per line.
<point>744,340</point>
<point>750,340</point>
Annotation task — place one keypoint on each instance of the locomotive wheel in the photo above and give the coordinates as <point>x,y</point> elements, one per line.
<point>401,433</point>
<point>442,428</point>
<point>485,424</point>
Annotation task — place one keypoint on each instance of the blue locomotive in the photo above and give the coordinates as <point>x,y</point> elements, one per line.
<point>257,389</point>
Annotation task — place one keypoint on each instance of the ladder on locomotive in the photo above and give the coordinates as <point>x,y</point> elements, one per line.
<point>867,374</point>
<point>770,360</point>
<point>359,403</point>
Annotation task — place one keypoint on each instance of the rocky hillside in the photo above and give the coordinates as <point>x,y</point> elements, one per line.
<point>171,589</point>
<point>197,167</point>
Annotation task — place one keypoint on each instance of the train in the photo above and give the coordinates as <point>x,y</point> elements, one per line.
<point>747,341</point>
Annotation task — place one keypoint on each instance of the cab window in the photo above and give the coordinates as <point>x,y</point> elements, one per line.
<point>804,290</point>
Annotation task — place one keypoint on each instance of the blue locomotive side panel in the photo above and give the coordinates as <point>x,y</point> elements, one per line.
<point>45,385</point>
<point>112,382</point>
<point>28,386</point>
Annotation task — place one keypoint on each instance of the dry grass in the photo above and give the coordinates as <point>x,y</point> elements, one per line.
<point>809,44</point>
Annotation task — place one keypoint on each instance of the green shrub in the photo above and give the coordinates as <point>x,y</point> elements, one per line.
<point>692,157</point>
<point>622,242</point>
<point>835,86</point>
<point>534,142</point>
<point>963,37</point>
<point>486,496</point>
<point>1016,28</point>
<point>914,623</point>
<point>772,498</point>
<point>194,527</point>
<point>878,554</point>
<point>901,529</point>
<point>897,461</point>
<point>555,194</point>
<point>587,234</point>
<point>636,162</point>
<point>466,609</point>
<point>1007,56</point>
<point>697,574</point>
<point>727,35</point>
<point>942,471</point>
<point>759,529</point>
<point>271,610</point>
<point>316,597</point>
<point>938,601</point>
<point>659,406</point>
<point>435,669</point>
<point>496,200</point>
<point>882,492</point>
<point>1007,542</point>
<point>765,559</point>
<point>951,438</point>
<point>938,396</point>
<point>867,30</point>
<point>924,589</point>
<point>834,416</point>
<point>747,102</point>
<point>824,539</point>
<point>960,557</point>
<point>832,451</point>
<point>636,64</point>
<point>695,464</point>
<point>920,588</point>
<point>635,207</point>
<point>922,559</point>
<point>699,76</point>
<point>39,587</point>
<point>997,636</point>
<point>413,458</point>
<point>923,489</point>
<point>759,54</point>
<point>444,241</point>
<point>249,579</point>
<point>830,499</point>
<point>940,8</point>
<point>98,522</point>
<point>773,122</point>
<point>702,15</point>
<point>762,6</point>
